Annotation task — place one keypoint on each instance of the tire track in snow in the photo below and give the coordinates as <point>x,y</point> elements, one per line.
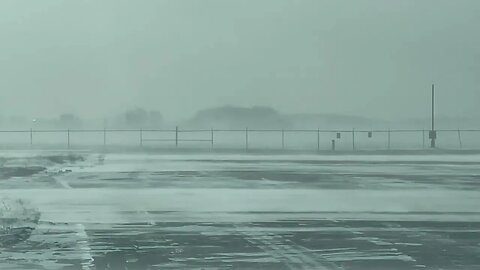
<point>87,259</point>
<point>286,251</point>
<point>82,243</point>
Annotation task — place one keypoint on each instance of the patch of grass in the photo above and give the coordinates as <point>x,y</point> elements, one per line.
<point>62,159</point>
<point>8,172</point>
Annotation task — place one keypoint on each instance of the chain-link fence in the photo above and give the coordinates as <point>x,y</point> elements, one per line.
<point>246,139</point>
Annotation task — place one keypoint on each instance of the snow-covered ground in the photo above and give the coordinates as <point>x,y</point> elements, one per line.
<point>153,211</point>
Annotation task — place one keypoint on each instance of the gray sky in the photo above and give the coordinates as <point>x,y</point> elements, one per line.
<point>371,58</point>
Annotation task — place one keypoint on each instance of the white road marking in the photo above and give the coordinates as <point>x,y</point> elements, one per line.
<point>82,242</point>
<point>87,258</point>
<point>293,255</point>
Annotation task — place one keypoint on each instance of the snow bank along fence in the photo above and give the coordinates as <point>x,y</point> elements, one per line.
<point>246,139</point>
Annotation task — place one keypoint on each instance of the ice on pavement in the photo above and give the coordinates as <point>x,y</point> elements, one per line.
<point>134,211</point>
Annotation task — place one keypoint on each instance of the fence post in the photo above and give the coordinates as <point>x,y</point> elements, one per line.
<point>460,139</point>
<point>389,139</point>
<point>423,136</point>
<point>333,145</point>
<point>353,139</point>
<point>283,139</point>
<point>212,137</point>
<point>318,140</point>
<point>31,136</point>
<point>141,137</point>
<point>246,139</point>
<point>104,137</point>
<point>68,138</point>
<point>176,136</point>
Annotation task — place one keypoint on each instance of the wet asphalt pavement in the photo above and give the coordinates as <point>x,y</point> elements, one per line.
<point>250,212</point>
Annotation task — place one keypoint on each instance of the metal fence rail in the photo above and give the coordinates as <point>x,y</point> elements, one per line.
<point>319,139</point>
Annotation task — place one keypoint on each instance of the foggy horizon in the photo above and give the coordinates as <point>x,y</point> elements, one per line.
<point>239,134</point>
<point>374,59</point>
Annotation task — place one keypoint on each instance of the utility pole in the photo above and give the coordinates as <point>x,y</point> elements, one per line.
<point>176,136</point>
<point>433,133</point>
<point>353,139</point>
<point>211,138</point>
<point>104,132</point>
<point>246,139</point>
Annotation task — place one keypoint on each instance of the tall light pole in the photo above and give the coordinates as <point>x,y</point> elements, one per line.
<point>433,133</point>
<point>31,130</point>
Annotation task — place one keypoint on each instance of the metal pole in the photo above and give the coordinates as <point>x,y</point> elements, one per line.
<point>333,145</point>
<point>68,138</point>
<point>433,135</point>
<point>141,137</point>
<point>423,136</point>
<point>433,107</point>
<point>246,139</point>
<point>283,139</point>
<point>104,132</point>
<point>176,136</point>
<point>212,137</point>
<point>31,136</point>
<point>389,139</point>
<point>460,138</point>
<point>353,139</point>
<point>318,140</point>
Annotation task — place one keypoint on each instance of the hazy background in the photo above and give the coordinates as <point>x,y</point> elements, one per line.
<point>369,59</point>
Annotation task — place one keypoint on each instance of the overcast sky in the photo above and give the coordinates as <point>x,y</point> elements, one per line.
<point>370,58</point>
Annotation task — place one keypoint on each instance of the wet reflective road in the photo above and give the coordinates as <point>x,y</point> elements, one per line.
<point>251,212</point>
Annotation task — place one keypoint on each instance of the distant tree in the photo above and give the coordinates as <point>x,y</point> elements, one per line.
<point>18,121</point>
<point>239,117</point>
<point>141,118</point>
<point>136,118</point>
<point>69,120</point>
<point>155,119</point>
